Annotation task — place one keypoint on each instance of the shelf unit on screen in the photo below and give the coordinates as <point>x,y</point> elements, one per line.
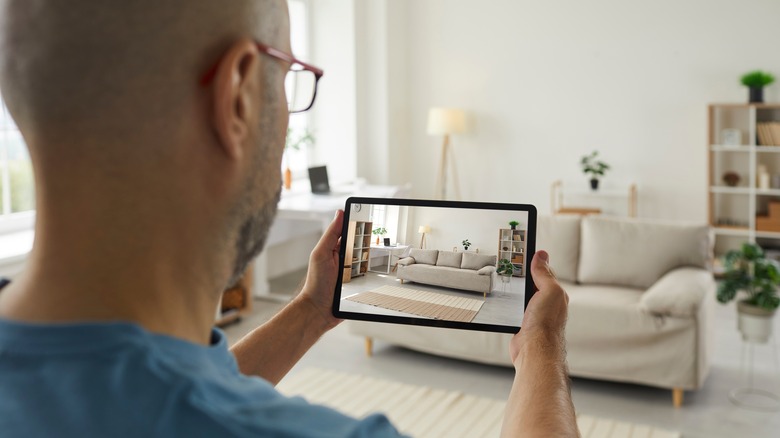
<point>743,211</point>
<point>358,252</point>
<point>511,246</point>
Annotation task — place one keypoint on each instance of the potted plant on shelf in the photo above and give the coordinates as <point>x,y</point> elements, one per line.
<point>756,81</point>
<point>466,244</point>
<point>594,167</point>
<point>379,232</point>
<point>749,272</point>
<point>294,142</point>
<point>513,224</point>
<point>505,270</point>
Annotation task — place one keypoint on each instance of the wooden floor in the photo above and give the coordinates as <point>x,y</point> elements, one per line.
<point>501,308</point>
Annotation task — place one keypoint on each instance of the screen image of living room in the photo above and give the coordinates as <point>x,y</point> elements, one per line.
<point>427,272</point>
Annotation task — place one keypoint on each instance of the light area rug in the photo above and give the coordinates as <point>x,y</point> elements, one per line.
<point>422,411</point>
<point>421,303</point>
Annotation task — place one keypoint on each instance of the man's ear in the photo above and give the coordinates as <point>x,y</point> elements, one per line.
<point>235,89</point>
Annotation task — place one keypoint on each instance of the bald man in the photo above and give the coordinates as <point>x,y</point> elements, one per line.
<point>156,130</point>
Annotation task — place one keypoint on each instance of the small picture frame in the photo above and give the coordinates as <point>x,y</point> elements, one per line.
<point>731,137</point>
<point>387,241</point>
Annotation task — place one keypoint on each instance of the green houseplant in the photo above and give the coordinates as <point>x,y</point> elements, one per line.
<point>466,244</point>
<point>379,232</point>
<point>756,81</point>
<point>505,269</point>
<point>750,273</point>
<point>513,224</point>
<point>594,167</point>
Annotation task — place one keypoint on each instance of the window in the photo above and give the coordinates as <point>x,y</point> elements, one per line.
<point>386,216</point>
<point>17,197</point>
<point>298,160</point>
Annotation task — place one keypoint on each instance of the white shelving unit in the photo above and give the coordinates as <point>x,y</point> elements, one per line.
<point>358,253</point>
<point>733,210</point>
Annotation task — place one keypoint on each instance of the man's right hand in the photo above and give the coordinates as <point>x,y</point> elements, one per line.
<point>545,317</point>
<point>540,401</point>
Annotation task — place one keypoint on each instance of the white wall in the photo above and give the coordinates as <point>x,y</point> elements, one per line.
<point>546,82</point>
<point>334,116</point>
<point>449,227</point>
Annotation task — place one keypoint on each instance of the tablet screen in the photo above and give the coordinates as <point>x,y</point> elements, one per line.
<point>437,263</point>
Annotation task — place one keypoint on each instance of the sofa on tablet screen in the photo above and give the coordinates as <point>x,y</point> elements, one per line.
<point>641,301</point>
<point>457,270</point>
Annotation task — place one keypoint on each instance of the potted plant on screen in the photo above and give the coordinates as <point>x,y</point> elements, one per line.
<point>756,278</point>
<point>379,232</point>
<point>466,244</point>
<point>513,224</point>
<point>294,141</point>
<point>594,167</point>
<point>505,270</point>
<point>756,81</point>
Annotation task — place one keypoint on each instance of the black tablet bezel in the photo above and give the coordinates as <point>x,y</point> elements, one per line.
<point>530,252</point>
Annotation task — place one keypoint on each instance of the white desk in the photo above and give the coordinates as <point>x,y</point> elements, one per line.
<point>299,204</point>
<point>391,251</point>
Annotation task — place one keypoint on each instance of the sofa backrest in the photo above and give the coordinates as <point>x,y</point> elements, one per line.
<point>424,256</point>
<point>450,259</point>
<point>559,235</point>
<point>477,261</point>
<point>636,253</point>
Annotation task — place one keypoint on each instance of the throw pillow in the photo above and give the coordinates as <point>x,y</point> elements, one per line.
<point>449,259</point>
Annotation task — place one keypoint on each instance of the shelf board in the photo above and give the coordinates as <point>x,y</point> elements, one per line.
<point>730,190</point>
<point>731,231</point>
<point>768,234</point>
<point>768,192</point>
<point>770,149</point>
<point>730,148</point>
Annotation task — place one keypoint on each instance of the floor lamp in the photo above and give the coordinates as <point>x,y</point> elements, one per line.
<point>424,229</point>
<point>446,121</point>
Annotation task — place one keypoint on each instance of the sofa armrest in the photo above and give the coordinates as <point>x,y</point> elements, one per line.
<point>487,270</point>
<point>406,261</point>
<point>680,292</point>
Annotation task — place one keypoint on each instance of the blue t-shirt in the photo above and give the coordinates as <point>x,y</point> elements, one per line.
<point>117,379</point>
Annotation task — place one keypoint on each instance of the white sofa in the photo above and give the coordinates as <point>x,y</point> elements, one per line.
<point>641,296</point>
<point>457,270</point>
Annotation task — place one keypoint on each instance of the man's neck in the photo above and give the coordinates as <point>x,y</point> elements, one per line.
<point>154,280</point>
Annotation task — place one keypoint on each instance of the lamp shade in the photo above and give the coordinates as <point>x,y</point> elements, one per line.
<point>424,229</point>
<point>443,121</point>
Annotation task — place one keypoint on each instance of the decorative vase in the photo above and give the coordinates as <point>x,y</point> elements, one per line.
<point>287,178</point>
<point>594,184</point>
<point>755,323</point>
<point>756,94</point>
<point>377,240</point>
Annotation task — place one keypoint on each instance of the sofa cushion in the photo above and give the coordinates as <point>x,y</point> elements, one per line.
<point>449,258</point>
<point>679,293</point>
<point>477,261</point>
<point>636,253</point>
<point>424,256</point>
<point>559,235</point>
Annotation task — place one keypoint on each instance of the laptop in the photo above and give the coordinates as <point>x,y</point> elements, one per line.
<point>318,177</point>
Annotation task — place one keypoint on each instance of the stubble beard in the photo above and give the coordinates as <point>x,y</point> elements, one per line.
<point>252,236</point>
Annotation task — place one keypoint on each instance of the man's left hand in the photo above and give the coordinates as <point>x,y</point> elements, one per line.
<point>321,277</point>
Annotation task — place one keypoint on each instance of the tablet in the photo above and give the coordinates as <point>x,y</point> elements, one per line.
<point>463,265</point>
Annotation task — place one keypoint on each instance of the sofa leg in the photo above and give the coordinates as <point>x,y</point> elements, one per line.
<point>402,281</point>
<point>369,347</point>
<point>677,397</point>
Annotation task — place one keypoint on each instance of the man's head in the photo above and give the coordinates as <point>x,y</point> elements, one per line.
<point>109,98</point>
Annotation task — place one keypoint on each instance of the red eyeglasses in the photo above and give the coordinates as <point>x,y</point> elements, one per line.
<point>300,83</point>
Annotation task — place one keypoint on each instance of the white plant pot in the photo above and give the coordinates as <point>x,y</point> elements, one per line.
<point>506,278</point>
<point>754,323</point>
